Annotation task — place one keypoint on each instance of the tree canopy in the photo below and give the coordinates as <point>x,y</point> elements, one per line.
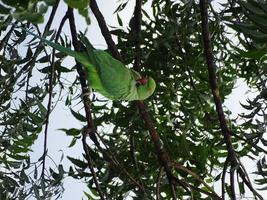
<point>177,144</point>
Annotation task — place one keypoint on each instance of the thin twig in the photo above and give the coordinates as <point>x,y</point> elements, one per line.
<point>136,30</point>
<point>7,36</point>
<point>181,167</point>
<point>243,174</point>
<point>213,81</point>
<point>223,176</point>
<point>104,30</point>
<point>232,182</point>
<point>215,88</point>
<point>132,151</point>
<point>158,184</point>
<point>82,77</point>
<point>49,104</point>
<point>90,165</point>
<point>111,157</point>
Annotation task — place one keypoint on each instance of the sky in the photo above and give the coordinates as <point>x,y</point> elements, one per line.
<point>62,118</point>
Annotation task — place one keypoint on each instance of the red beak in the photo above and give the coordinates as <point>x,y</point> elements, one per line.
<point>142,81</point>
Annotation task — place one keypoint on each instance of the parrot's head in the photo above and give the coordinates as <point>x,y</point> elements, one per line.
<point>145,87</point>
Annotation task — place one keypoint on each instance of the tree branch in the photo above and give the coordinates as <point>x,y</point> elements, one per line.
<point>188,171</point>
<point>51,77</point>
<point>163,156</point>
<point>86,101</point>
<point>213,81</point>
<point>233,159</point>
<point>158,183</point>
<point>215,88</point>
<point>136,30</point>
<point>104,30</point>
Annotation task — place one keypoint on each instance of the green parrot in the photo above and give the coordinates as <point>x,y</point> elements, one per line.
<point>107,75</point>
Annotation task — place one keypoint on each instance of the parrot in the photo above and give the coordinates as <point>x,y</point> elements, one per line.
<point>105,74</point>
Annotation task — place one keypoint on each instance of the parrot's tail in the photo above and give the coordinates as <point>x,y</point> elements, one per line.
<point>79,56</point>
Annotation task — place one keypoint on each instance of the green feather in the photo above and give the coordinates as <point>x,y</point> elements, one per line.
<point>105,74</point>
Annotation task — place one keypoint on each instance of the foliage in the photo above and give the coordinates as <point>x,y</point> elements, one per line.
<point>125,161</point>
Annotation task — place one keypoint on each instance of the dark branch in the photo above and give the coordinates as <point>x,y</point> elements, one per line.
<point>233,159</point>
<point>223,176</point>
<point>213,81</point>
<point>232,182</point>
<point>136,30</point>
<point>86,101</point>
<point>51,78</point>
<point>158,184</point>
<point>82,77</point>
<point>163,156</point>
<point>104,30</point>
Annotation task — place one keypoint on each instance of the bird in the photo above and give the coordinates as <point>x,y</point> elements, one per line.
<point>105,74</point>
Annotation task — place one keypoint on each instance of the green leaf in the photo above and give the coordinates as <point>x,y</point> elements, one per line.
<point>72,131</point>
<point>253,53</point>
<point>119,20</point>
<point>78,162</point>
<point>78,116</point>
<point>24,177</point>
<point>63,69</point>
<point>4,10</point>
<point>90,197</point>
<point>79,4</point>
<point>73,142</point>
<point>254,34</point>
<point>241,187</point>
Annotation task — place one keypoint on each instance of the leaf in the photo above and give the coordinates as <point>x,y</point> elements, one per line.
<point>253,7</point>
<point>44,59</point>
<point>241,187</point>
<point>60,68</point>
<point>261,22</point>
<point>71,132</point>
<point>90,197</point>
<point>78,116</point>
<point>24,177</point>
<point>253,53</point>
<point>73,142</point>
<point>78,162</point>
<point>35,174</point>
<point>4,10</point>
<point>42,109</point>
<point>254,34</point>
<point>119,20</point>
<point>120,7</point>
<point>79,4</point>
<point>36,191</point>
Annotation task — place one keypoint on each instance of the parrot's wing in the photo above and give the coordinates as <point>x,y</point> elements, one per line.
<point>118,82</point>
<point>116,78</point>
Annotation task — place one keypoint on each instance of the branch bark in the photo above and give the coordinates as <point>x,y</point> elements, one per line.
<point>232,157</point>
<point>104,30</point>
<point>51,77</point>
<point>162,155</point>
<point>86,101</point>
